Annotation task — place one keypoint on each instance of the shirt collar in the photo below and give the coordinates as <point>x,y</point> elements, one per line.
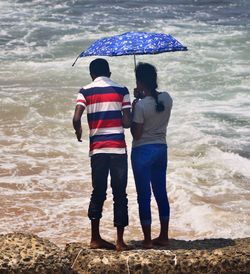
<point>101,78</point>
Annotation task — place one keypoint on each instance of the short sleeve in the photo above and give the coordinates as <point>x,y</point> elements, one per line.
<point>126,100</point>
<point>81,99</point>
<point>138,116</point>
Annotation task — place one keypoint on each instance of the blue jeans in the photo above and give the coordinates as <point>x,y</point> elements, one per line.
<point>149,163</point>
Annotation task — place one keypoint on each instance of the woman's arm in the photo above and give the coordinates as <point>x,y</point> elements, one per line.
<point>136,130</point>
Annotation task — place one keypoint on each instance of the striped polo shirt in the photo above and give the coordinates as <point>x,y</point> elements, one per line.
<point>104,100</point>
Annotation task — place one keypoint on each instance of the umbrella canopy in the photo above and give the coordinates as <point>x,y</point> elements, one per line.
<point>133,43</point>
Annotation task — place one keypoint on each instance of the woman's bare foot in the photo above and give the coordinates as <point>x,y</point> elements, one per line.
<point>121,246</point>
<point>100,243</point>
<point>160,241</point>
<point>147,244</point>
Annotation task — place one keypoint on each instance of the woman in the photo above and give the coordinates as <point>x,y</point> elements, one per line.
<point>151,112</point>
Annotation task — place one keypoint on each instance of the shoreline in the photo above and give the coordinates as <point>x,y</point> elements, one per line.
<point>30,254</point>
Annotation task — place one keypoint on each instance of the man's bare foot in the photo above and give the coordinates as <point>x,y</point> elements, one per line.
<point>160,241</point>
<point>95,244</point>
<point>147,244</point>
<point>121,246</point>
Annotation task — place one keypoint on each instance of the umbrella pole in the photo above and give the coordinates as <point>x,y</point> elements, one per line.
<point>134,61</point>
<point>76,60</point>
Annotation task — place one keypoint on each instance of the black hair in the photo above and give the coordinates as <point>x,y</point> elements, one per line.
<point>147,74</point>
<point>99,67</point>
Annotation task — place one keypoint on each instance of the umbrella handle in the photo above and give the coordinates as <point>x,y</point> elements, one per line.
<point>134,61</point>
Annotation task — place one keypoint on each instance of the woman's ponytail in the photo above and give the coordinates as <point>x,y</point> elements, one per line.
<point>159,105</point>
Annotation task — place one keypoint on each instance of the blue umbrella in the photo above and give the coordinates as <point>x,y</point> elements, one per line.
<point>133,43</point>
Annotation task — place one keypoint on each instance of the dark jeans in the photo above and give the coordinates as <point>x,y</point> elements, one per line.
<point>117,165</point>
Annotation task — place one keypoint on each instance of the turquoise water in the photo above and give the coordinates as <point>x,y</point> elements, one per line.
<point>44,173</point>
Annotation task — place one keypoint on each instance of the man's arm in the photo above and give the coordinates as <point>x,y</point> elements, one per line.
<point>77,121</point>
<point>126,117</point>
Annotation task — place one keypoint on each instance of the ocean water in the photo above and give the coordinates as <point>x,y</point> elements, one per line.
<point>45,180</point>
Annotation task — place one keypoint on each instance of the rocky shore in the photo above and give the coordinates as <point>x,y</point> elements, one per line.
<point>29,254</point>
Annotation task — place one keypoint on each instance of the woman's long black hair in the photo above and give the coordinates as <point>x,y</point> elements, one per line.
<point>147,74</point>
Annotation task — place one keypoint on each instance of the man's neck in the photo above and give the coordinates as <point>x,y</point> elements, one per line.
<point>99,78</point>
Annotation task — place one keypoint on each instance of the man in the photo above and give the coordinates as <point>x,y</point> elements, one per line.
<point>108,113</point>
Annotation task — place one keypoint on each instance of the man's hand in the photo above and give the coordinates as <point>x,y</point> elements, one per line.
<point>78,134</point>
<point>139,94</point>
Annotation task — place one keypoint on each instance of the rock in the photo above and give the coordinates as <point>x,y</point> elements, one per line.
<point>211,256</point>
<point>29,254</point>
